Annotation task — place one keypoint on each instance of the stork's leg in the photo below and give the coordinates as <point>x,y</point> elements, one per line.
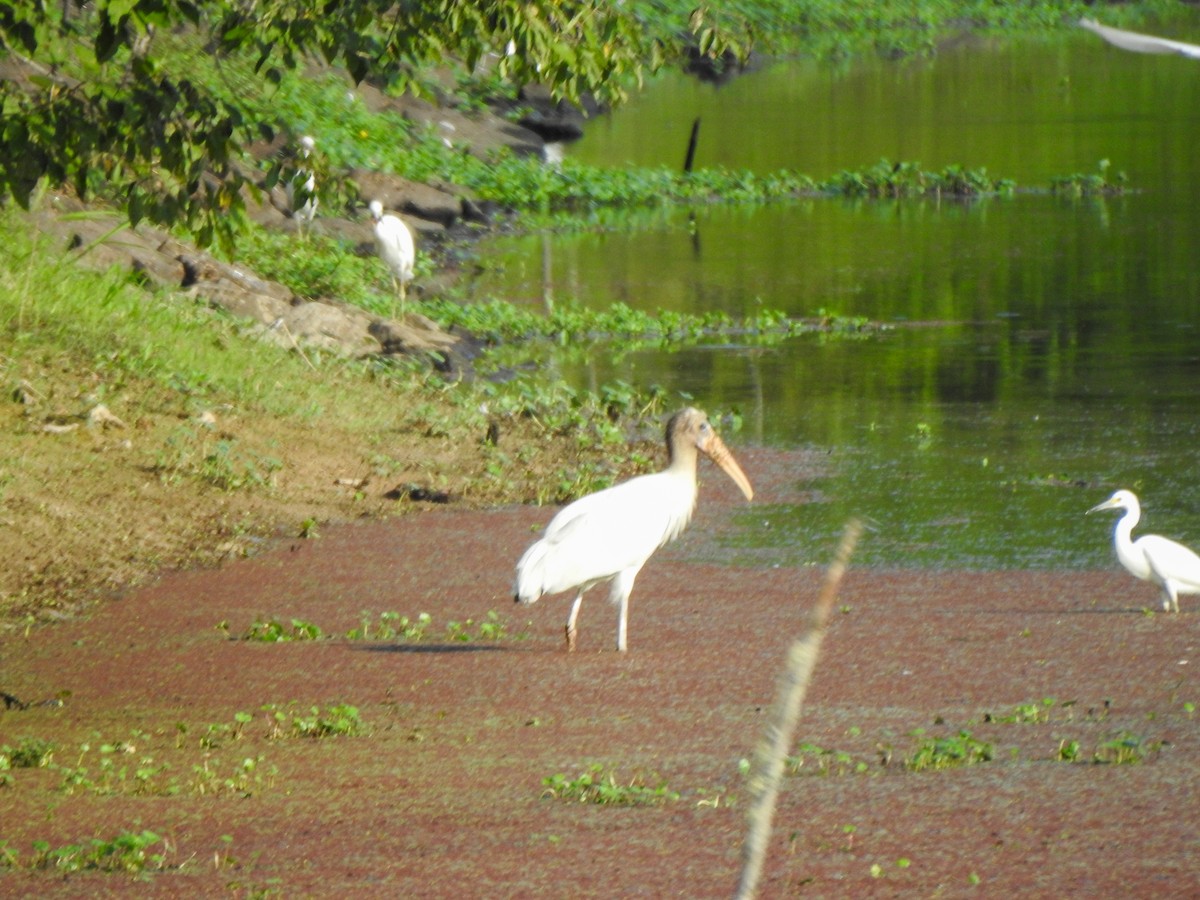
<point>571,621</point>
<point>622,586</point>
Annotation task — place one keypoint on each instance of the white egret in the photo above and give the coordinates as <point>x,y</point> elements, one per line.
<point>394,242</point>
<point>1140,43</point>
<point>1172,566</point>
<point>304,184</point>
<point>609,535</point>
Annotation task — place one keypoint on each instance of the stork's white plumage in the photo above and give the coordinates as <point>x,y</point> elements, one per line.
<point>1140,43</point>
<point>609,535</point>
<point>394,242</point>
<point>303,184</point>
<point>1162,561</point>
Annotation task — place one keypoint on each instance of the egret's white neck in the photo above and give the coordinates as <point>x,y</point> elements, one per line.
<point>1128,522</point>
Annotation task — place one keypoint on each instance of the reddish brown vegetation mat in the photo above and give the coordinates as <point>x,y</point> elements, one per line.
<point>443,794</point>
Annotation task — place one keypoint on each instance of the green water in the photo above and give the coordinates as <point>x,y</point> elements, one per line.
<point>1046,350</point>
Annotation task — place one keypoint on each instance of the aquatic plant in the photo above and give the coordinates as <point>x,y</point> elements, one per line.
<point>127,851</point>
<point>959,749</point>
<point>599,785</point>
<point>1099,182</point>
<point>810,759</point>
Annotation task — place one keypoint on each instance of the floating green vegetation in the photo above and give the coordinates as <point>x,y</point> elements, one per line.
<point>386,626</point>
<point>1035,712</point>
<point>134,852</point>
<point>274,631</point>
<point>906,179</point>
<point>599,784</point>
<point>809,759</point>
<point>339,720</point>
<point>390,626</point>
<point>30,753</point>
<point>215,734</point>
<point>1087,185</point>
<point>960,749</point>
<point>629,328</point>
<point>1126,748</point>
<point>527,184</point>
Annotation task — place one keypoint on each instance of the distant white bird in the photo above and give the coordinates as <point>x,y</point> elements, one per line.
<point>394,242</point>
<point>1140,43</point>
<point>609,535</point>
<point>1173,567</point>
<point>304,183</point>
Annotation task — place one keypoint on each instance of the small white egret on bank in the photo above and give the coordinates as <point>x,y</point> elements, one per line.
<point>303,184</point>
<point>1170,565</point>
<point>1140,43</point>
<point>609,535</point>
<point>394,243</point>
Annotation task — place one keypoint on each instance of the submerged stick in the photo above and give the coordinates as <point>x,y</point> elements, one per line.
<point>691,148</point>
<point>767,768</point>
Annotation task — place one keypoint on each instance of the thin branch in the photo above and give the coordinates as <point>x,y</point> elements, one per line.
<point>767,769</point>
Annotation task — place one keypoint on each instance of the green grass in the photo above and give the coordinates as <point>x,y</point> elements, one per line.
<point>52,309</point>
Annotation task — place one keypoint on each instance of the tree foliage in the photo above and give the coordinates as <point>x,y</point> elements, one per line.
<point>86,100</point>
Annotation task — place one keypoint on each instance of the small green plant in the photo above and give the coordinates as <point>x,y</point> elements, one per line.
<point>273,631</point>
<point>943,753</point>
<point>492,628</point>
<point>390,626</point>
<point>809,759</point>
<point>1126,748</point>
<point>393,626</point>
<point>116,767</point>
<point>30,753</point>
<point>216,734</point>
<point>341,720</point>
<point>1068,750</point>
<point>1029,713</point>
<point>600,785</point>
<point>126,852</point>
<point>243,778</point>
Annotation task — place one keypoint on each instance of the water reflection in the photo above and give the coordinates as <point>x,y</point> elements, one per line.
<point>1048,351</point>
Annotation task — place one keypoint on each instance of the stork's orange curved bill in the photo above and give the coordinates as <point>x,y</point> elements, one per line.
<point>719,453</point>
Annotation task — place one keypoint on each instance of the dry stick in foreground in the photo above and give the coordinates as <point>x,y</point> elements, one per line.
<point>767,769</point>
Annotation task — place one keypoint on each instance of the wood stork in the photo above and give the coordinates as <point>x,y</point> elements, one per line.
<point>394,243</point>
<point>609,535</point>
<point>1172,566</point>
<point>1140,43</point>
<point>303,184</point>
